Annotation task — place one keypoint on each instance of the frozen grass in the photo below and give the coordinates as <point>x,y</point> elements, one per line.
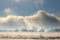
<point>29,35</point>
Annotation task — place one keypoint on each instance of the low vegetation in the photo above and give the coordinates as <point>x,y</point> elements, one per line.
<point>28,37</point>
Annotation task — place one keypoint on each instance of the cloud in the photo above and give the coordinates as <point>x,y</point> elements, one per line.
<point>40,21</point>
<point>12,22</point>
<point>37,2</point>
<point>43,20</point>
<point>9,11</point>
<point>17,1</point>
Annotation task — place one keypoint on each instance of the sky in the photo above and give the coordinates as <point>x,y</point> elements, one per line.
<point>30,15</point>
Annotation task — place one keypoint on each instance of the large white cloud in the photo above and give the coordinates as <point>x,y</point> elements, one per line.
<point>11,21</point>
<point>43,20</point>
<point>40,20</point>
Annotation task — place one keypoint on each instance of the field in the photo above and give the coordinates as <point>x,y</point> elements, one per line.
<point>29,39</point>
<point>29,36</point>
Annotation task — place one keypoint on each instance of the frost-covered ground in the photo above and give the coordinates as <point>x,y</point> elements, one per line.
<point>29,35</point>
<point>29,39</point>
